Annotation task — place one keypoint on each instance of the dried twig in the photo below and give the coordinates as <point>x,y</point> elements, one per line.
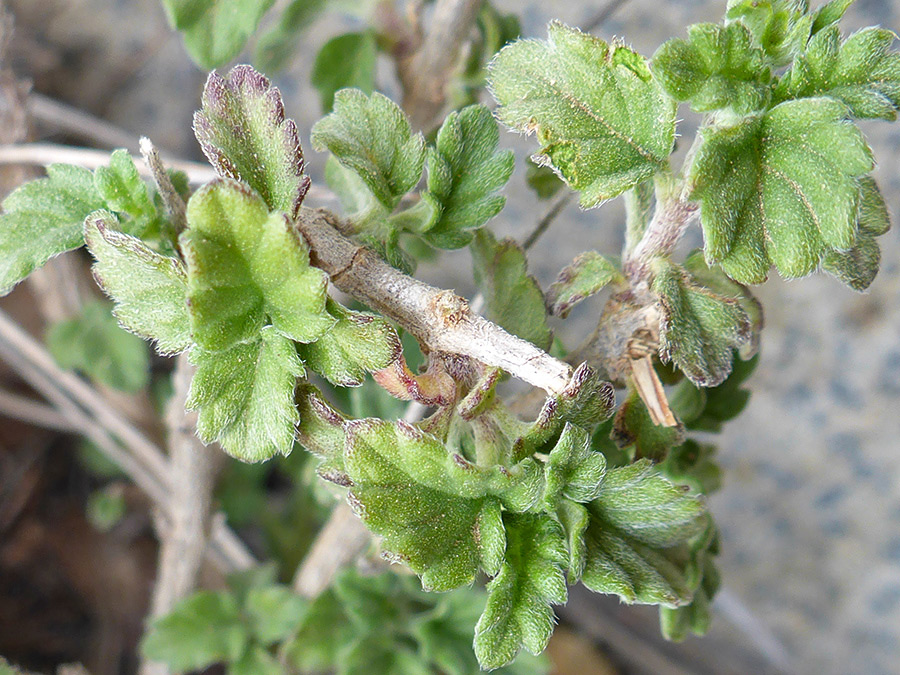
<point>34,413</point>
<point>87,410</point>
<point>439,318</point>
<point>184,537</point>
<point>173,202</point>
<point>427,72</point>
<point>78,123</point>
<point>549,217</point>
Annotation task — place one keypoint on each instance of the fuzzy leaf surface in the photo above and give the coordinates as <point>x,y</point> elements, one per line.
<point>634,429</point>
<point>858,266</point>
<point>371,136</point>
<point>780,188</point>
<point>44,218</point>
<point>861,71</point>
<point>427,503</point>
<point>465,171</point>
<point>273,612</point>
<point>588,274</point>
<point>781,27</point>
<point>512,297</point>
<point>716,67</point>
<point>95,344</point>
<point>244,264</point>
<point>124,191</point>
<point>636,541</point>
<point>245,396</point>
<point>243,132</point>
<point>345,61</point>
<point>573,470</point>
<point>357,343</point>
<point>149,289</point>
<point>532,578</point>
<point>603,122</point>
<point>697,328</point>
<point>203,629</point>
<point>726,401</point>
<point>215,31</point>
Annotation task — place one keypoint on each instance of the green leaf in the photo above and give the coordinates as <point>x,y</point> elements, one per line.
<point>634,429</point>
<point>543,180</point>
<point>780,188</point>
<point>603,122</point>
<point>513,297</point>
<point>697,328</point>
<point>243,264</point>
<point>858,266</point>
<point>465,171</point>
<point>243,132</point>
<point>587,275</point>
<point>106,507</point>
<point>201,630</point>
<point>518,609</point>
<point>574,519</point>
<point>371,136</point>
<point>716,67</point>
<point>43,218</point>
<point>321,429</point>
<point>358,342</point>
<point>427,503</point>
<point>726,401</point>
<point>573,470</point>
<point>356,199</point>
<point>95,344</point>
<point>273,612</point>
<point>830,13</point>
<point>861,71</point>
<point>321,634</point>
<point>215,31</point>
<point>255,661</point>
<point>693,464</point>
<point>124,191</point>
<point>149,289</point>
<point>278,45</point>
<point>636,541</point>
<point>345,61</point>
<point>245,396</point>
<point>714,279</point>
<point>781,27</point>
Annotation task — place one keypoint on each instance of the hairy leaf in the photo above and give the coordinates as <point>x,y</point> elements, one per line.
<point>149,289</point>
<point>243,264</point>
<point>861,71</point>
<point>43,218</point>
<point>371,136</point>
<point>573,470</point>
<point>697,328</point>
<point>636,541</point>
<point>726,401</point>
<point>513,297</point>
<point>345,61</point>
<point>95,344</point>
<point>574,519</point>
<point>587,275</point>
<point>245,136</point>
<point>201,630</point>
<point>603,122</point>
<point>858,266</point>
<point>716,67</point>
<point>781,27</point>
<point>634,429</point>
<point>465,171</point>
<point>780,188</point>
<point>215,31</point>
<point>542,180</point>
<point>245,396</point>
<point>124,191</point>
<point>715,280</point>
<point>427,503</point>
<point>830,13</point>
<point>531,579</point>
<point>358,342</point>
<point>693,464</point>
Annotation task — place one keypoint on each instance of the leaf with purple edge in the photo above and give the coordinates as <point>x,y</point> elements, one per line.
<point>588,274</point>
<point>244,134</point>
